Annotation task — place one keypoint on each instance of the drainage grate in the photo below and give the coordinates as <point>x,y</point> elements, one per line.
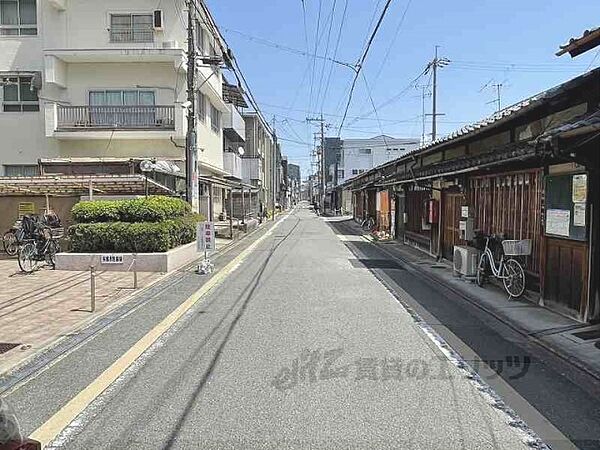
<point>5,347</point>
<point>588,335</point>
<point>374,264</point>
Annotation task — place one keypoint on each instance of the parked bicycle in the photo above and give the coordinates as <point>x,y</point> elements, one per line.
<point>23,230</point>
<point>41,249</point>
<point>509,270</point>
<point>368,224</point>
<point>13,238</point>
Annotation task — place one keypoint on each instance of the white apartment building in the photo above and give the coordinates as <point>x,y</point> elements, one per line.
<point>360,155</point>
<point>85,80</point>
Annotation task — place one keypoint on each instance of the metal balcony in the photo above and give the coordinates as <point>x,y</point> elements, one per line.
<point>78,118</point>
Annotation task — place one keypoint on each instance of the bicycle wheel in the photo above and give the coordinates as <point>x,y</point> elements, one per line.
<point>513,278</point>
<point>482,270</point>
<point>9,241</point>
<point>50,254</point>
<point>27,257</point>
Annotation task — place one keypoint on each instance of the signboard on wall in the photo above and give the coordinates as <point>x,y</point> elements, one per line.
<point>566,213</point>
<point>26,208</point>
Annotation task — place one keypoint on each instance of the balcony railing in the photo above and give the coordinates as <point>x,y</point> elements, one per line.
<point>72,118</point>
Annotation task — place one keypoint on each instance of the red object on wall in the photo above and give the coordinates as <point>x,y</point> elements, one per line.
<point>433,209</point>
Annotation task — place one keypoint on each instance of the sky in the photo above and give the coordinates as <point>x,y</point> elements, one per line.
<point>509,43</point>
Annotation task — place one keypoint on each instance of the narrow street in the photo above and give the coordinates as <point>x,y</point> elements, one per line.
<point>299,346</point>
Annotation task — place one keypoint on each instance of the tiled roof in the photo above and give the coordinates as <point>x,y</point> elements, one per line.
<point>591,120</point>
<point>581,44</point>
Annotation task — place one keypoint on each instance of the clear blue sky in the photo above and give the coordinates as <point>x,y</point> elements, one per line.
<point>506,42</point>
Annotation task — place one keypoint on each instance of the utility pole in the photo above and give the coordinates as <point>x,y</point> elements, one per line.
<point>274,167</point>
<point>433,65</point>
<point>321,161</point>
<point>191,165</point>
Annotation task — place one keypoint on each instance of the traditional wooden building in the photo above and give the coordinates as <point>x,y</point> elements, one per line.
<point>529,171</point>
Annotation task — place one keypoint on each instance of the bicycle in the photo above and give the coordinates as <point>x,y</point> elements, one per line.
<point>368,224</point>
<point>12,239</point>
<point>510,271</point>
<point>43,248</point>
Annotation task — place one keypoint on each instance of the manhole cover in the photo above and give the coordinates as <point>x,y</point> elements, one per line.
<point>5,347</point>
<point>588,335</point>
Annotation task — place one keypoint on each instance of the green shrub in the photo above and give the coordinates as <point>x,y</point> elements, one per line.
<point>141,237</point>
<point>96,211</point>
<point>151,209</point>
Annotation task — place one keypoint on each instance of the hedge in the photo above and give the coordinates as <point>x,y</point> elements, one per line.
<point>142,237</point>
<point>151,209</point>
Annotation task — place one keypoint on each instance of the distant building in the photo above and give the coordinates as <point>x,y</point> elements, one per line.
<point>360,155</point>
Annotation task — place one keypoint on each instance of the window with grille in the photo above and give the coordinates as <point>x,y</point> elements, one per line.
<point>131,28</point>
<point>18,18</point>
<point>18,94</point>
<point>215,119</point>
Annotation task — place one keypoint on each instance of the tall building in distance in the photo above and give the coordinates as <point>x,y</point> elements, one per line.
<point>357,156</point>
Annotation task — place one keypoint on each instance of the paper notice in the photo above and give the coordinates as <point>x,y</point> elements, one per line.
<point>579,215</point>
<point>558,222</point>
<point>579,188</point>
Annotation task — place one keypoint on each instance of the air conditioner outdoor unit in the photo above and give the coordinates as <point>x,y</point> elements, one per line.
<point>466,260</point>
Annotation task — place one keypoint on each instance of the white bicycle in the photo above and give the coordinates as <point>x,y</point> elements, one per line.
<point>510,271</point>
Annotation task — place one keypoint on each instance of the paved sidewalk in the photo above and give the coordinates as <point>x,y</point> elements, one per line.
<point>39,308</point>
<point>546,327</point>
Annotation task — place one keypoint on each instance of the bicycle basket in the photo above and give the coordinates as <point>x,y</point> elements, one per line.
<point>517,247</point>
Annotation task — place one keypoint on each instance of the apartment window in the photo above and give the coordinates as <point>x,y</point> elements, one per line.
<point>364,151</point>
<point>19,96</point>
<point>340,173</point>
<point>361,171</point>
<point>21,170</point>
<point>131,28</point>
<point>354,171</point>
<point>215,119</point>
<point>18,18</point>
<point>118,108</point>
<point>200,38</point>
<point>202,107</point>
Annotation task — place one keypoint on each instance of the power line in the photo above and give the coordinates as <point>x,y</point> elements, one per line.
<point>361,61</point>
<point>337,45</point>
<point>331,20</point>
<point>283,47</point>
<point>314,61</point>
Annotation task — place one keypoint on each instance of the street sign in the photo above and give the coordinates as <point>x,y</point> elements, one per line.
<point>205,237</point>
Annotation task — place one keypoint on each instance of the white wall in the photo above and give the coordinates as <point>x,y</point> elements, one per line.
<point>382,151</point>
<point>83,25</point>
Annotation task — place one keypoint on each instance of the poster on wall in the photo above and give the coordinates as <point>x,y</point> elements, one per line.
<point>558,222</point>
<point>579,188</point>
<point>579,215</point>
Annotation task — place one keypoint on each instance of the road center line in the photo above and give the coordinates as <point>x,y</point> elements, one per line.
<point>48,431</point>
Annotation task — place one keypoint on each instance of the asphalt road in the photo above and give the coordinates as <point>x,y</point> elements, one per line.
<point>311,342</point>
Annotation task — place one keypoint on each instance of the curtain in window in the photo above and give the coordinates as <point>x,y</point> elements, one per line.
<point>9,12</point>
<point>27,12</point>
